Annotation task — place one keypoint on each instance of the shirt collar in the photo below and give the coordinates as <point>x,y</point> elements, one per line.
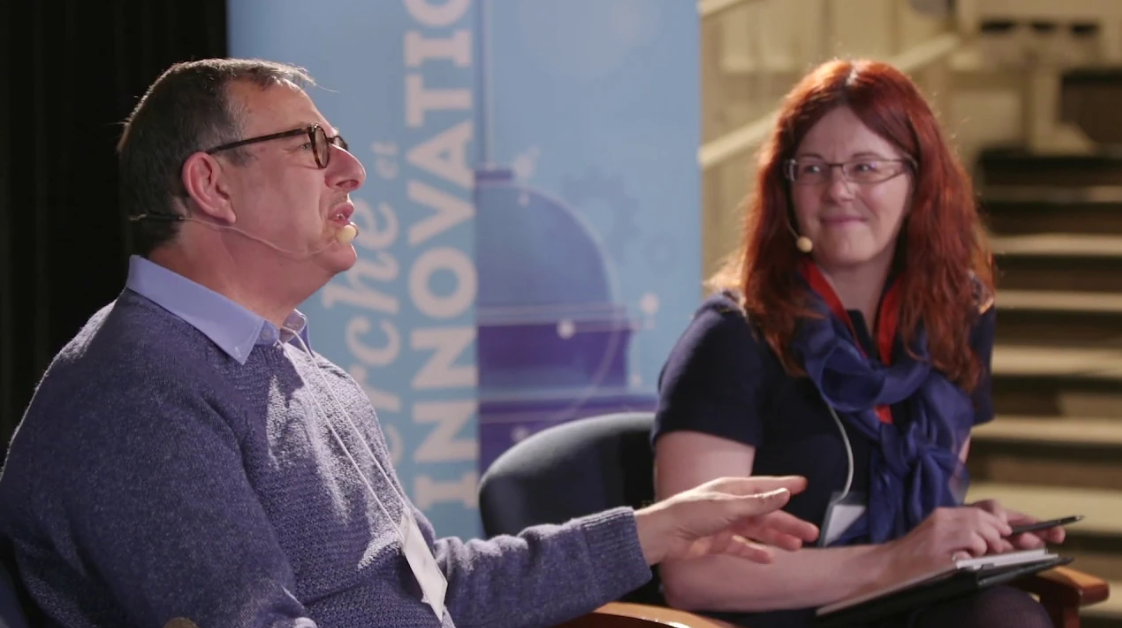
<point>232,327</point>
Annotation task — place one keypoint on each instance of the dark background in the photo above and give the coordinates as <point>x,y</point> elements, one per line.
<point>70,73</point>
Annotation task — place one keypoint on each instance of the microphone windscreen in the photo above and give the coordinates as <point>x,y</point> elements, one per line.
<point>347,234</point>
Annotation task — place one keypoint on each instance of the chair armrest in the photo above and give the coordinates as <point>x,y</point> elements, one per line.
<point>1067,587</point>
<point>1062,591</point>
<point>626,615</point>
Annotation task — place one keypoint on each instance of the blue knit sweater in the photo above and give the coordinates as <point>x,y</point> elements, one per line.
<point>155,476</point>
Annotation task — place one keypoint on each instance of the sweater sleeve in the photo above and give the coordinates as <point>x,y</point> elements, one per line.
<point>155,508</point>
<point>544,576</point>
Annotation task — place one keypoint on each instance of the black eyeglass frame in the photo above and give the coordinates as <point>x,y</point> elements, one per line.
<point>311,131</point>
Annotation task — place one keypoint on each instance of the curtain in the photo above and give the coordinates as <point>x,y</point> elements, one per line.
<point>70,73</point>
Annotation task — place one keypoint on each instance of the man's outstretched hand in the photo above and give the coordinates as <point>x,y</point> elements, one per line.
<point>734,516</point>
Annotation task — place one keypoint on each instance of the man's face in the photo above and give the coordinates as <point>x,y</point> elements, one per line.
<point>282,195</point>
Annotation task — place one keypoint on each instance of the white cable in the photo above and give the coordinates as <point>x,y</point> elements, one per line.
<point>848,450</point>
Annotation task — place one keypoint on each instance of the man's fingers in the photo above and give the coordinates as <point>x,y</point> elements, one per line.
<point>760,484</point>
<point>723,511</point>
<point>743,548</point>
<point>782,541</point>
<point>758,504</point>
<point>779,528</point>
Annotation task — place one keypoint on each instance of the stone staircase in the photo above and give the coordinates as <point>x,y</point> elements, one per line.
<point>1056,447</point>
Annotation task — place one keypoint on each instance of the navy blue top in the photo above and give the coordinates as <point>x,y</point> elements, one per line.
<point>723,379</point>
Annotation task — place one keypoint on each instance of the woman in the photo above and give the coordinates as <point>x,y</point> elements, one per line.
<point>849,342</point>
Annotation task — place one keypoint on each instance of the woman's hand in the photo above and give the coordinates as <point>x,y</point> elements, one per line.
<point>946,535</point>
<point>1027,540</point>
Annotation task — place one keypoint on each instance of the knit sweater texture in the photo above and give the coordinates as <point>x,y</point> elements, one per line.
<point>154,476</point>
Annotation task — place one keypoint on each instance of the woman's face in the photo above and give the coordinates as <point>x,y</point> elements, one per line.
<point>852,213</point>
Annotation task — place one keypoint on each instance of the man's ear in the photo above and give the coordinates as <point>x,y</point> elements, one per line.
<point>205,181</point>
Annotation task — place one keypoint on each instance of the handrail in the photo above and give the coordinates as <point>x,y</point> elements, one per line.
<point>709,8</point>
<point>719,150</point>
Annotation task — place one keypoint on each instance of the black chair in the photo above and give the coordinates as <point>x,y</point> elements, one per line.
<point>589,465</point>
<point>570,470</point>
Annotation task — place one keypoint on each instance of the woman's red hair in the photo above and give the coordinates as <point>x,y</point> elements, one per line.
<point>941,245</point>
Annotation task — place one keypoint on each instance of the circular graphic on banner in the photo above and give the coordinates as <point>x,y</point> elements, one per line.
<point>609,32</point>
<point>607,207</point>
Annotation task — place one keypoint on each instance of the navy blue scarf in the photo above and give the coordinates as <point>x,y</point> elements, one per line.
<point>915,466</point>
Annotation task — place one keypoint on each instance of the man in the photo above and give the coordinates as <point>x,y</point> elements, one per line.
<point>186,455</point>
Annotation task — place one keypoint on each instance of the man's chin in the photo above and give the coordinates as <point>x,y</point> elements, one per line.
<point>339,258</point>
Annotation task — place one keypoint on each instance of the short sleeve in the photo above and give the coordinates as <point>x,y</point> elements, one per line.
<point>981,341</point>
<point>713,379</point>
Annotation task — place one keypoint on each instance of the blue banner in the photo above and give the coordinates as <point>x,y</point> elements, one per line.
<point>530,244</point>
<point>588,207</point>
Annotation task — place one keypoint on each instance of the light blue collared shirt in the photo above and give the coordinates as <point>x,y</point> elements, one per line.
<point>232,327</point>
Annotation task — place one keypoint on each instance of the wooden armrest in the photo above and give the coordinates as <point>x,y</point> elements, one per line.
<point>1063,591</point>
<point>626,615</point>
<point>1067,587</point>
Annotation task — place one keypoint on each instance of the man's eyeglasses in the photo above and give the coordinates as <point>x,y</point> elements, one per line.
<point>815,171</point>
<point>317,137</point>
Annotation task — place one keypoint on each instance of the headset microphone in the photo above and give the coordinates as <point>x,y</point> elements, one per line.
<point>345,235</point>
<point>802,242</point>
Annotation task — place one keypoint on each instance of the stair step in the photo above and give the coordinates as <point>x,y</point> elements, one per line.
<point>1028,210</point>
<point>1025,360</point>
<point>1035,380</point>
<point>1059,318</point>
<point>1074,328</point>
<point>1053,431</point>
<point>1019,167</point>
<point>1007,197</point>
<point>1060,245</point>
<point>1053,262</point>
<point>1058,301</point>
<point>1049,451</point>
